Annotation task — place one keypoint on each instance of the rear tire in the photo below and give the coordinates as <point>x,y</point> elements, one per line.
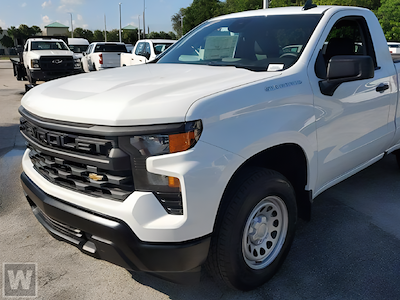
<point>255,230</point>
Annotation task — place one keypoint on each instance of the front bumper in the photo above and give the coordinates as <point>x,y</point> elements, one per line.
<point>112,239</point>
<point>49,75</point>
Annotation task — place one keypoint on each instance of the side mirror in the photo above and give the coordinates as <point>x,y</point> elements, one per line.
<point>345,68</point>
<point>147,55</point>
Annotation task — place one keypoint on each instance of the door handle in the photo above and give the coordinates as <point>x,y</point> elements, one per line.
<point>382,87</point>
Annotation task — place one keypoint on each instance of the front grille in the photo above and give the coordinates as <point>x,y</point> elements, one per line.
<point>97,162</point>
<point>66,141</point>
<point>83,178</point>
<point>56,63</point>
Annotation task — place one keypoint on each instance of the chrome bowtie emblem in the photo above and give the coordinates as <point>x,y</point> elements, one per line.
<point>57,61</point>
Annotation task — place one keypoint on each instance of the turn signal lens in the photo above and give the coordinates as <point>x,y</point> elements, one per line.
<point>181,142</point>
<point>174,182</point>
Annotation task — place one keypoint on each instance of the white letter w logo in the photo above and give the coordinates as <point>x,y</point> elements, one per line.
<point>20,278</point>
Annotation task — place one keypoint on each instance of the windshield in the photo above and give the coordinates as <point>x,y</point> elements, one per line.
<point>261,43</point>
<point>44,45</point>
<point>78,48</point>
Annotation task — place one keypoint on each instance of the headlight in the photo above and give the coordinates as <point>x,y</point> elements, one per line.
<point>77,63</point>
<point>141,146</point>
<point>35,64</point>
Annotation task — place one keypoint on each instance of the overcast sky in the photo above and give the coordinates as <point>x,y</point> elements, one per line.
<point>89,14</point>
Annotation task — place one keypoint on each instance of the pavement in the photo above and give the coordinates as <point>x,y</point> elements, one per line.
<point>349,249</point>
<point>11,92</point>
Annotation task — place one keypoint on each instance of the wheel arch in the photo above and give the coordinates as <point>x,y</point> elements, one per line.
<point>288,159</point>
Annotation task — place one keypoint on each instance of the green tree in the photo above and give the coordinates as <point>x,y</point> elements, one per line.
<point>6,41</point>
<point>162,35</point>
<point>36,29</point>
<point>23,32</point>
<point>113,35</point>
<point>173,35</point>
<point>370,4</point>
<point>232,6</point>
<point>200,11</point>
<point>83,33</point>
<point>129,36</point>
<point>176,20</point>
<point>389,18</point>
<point>98,36</point>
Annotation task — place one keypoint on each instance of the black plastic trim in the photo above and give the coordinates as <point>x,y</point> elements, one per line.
<point>50,74</point>
<point>101,130</point>
<point>76,157</point>
<point>117,243</point>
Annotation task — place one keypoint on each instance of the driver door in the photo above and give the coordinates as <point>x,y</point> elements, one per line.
<point>354,126</point>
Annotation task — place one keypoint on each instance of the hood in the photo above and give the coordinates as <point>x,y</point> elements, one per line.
<point>137,95</point>
<point>40,53</point>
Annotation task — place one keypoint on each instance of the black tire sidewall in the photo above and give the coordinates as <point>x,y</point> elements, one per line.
<point>234,263</point>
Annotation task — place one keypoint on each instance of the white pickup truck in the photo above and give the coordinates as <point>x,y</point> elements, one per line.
<point>102,55</point>
<point>44,59</point>
<point>144,51</point>
<point>212,151</point>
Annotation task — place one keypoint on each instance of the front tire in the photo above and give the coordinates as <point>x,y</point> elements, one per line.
<point>30,79</point>
<point>255,230</point>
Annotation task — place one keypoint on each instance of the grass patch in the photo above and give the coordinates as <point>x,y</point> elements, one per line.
<point>5,57</point>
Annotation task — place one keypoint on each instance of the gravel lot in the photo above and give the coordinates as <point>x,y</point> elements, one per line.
<point>349,250</point>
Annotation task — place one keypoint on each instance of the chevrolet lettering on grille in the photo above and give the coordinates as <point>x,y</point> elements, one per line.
<point>65,140</point>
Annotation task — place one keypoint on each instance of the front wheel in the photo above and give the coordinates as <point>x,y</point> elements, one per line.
<point>30,79</point>
<point>255,231</point>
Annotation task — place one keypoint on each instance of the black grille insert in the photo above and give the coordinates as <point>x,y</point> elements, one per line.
<point>56,63</point>
<point>83,178</point>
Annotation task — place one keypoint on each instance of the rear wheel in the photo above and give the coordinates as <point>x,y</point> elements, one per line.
<point>255,231</point>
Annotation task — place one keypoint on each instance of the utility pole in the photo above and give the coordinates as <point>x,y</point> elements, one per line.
<point>181,26</point>
<point>138,33</point>
<point>72,27</point>
<point>120,38</point>
<point>105,29</point>
<point>144,23</point>
<point>265,2</point>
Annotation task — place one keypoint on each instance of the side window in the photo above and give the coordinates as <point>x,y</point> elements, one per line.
<point>349,36</point>
<point>26,46</point>
<point>139,49</point>
<point>147,50</point>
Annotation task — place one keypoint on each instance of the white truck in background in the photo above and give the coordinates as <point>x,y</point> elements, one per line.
<point>102,55</point>
<point>144,51</point>
<point>45,58</point>
<point>394,47</point>
<point>78,46</point>
<point>210,152</point>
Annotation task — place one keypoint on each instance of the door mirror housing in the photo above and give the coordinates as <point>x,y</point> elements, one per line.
<point>345,68</point>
